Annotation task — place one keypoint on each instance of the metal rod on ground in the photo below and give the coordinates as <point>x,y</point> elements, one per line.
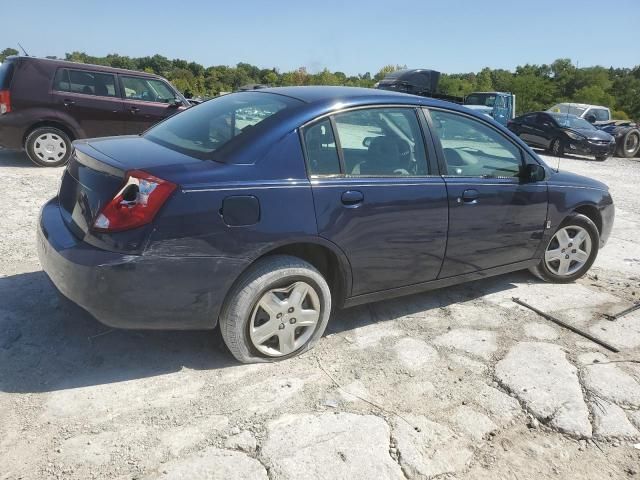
<point>566,325</point>
<point>623,313</point>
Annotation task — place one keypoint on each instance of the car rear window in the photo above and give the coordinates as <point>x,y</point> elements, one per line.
<point>6,72</point>
<point>202,130</point>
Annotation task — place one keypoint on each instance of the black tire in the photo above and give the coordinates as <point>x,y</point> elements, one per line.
<point>60,143</point>
<point>269,273</point>
<point>629,144</point>
<point>542,271</point>
<point>556,147</point>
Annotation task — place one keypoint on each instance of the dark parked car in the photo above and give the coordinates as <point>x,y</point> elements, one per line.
<point>46,104</point>
<point>561,133</point>
<point>262,211</point>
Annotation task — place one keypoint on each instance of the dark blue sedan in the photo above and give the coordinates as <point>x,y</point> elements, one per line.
<point>261,211</point>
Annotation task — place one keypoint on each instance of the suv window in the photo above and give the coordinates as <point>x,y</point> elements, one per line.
<point>88,83</point>
<point>322,154</point>
<point>6,72</point>
<point>600,113</point>
<point>473,149</point>
<point>146,89</point>
<point>381,142</point>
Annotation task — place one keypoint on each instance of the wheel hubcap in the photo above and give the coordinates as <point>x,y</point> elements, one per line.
<point>284,319</point>
<point>50,147</point>
<point>568,250</point>
<point>632,143</point>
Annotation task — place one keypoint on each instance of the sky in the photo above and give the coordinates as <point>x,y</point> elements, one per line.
<point>452,36</point>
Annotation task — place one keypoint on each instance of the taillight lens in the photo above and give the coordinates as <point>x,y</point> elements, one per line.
<point>5,101</point>
<point>136,203</point>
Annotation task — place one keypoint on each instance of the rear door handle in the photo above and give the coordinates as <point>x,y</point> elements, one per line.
<point>134,109</point>
<point>68,103</point>
<point>470,197</point>
<point>352,198</point>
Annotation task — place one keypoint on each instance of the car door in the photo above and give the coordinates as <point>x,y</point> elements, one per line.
<point>376,197</point>
<point>546,130</point>
<point>495,218</point>
<point>527,129</point>
<point>147,101</point>
<point>502,109</point>
<point>91,99</point>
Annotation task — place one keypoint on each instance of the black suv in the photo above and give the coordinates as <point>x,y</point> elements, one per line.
<point>46,104</point>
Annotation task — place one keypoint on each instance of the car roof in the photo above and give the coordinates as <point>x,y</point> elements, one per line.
<point>85,66</point>
<point>579,105</point>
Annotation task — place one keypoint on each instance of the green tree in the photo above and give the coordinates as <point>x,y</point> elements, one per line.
<point>7,52</point>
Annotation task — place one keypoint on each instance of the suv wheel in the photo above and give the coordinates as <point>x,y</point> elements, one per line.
<point>278,309</point>
<point>48,147</point>
<point>570,252</point>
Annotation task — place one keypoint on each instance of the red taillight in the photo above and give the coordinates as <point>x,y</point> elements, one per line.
<point>136,203</point>
<point>5,101</point>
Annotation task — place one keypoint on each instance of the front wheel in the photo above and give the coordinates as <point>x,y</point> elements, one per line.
<point>570,252</point>
<point>48,147</point>
<point>278,309</point>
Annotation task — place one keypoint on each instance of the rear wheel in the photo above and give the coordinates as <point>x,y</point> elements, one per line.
<point>279,308</point>
<point>48,147</point>
<point>570,252</point>
<point>556,148</point>
<point>630,144</point>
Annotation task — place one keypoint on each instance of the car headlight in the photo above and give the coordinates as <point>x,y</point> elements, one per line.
<point>575,136</point>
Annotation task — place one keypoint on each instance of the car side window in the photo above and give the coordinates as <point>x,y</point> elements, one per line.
<point>473,149</point>
<point>145,89</point>
<point>88,83</point>
<point>530,119</point>
<point>322,153</point>
<point>381,142</point>
<point>600,113</point>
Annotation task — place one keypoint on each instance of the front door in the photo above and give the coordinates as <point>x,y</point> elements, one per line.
<point>146,102</point>
<point>375,198</point>
<point>495,218</point>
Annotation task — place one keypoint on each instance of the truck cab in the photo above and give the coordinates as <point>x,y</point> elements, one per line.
<point>591,113</point>
<point>501,106</point>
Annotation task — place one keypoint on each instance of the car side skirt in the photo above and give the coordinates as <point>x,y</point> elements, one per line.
<point>435,284</point>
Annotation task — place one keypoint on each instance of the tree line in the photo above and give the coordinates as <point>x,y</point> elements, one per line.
<point>537,87</point>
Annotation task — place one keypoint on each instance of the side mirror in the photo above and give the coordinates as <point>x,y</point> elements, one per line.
<point>590,118</point>
<point>533,172</point>
<point>177,102</point>
<point>366,141</point>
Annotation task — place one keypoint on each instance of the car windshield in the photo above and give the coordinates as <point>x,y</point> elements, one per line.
<point>570,108</point>
<point>571,121</point>
<point>485,99</point>
<point>203,129</point>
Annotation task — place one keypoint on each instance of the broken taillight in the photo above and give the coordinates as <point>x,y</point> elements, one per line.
<point>136,203</point>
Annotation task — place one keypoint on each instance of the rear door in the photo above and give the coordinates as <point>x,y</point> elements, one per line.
<point>147,101</point>
<point>502,109</point>
<point>495,218</point>
<point>92,99</point>
<point>376,196</point>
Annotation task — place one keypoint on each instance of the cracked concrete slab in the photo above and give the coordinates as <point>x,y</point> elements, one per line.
<point>609,420</point>
<point>623,333</point>
<point>428,449</point>
<point>472,422</point>
<point>481,343</point>
<point>500,406</point>
<point>213,464</point>
<point>611,382</point>
<point>416,354</point>
<point>540,375</point>
<point>337,446</point>
<point>540,331</point>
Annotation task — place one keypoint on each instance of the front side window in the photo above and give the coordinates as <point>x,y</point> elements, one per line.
<point>148,90</point>
<point>87,83</point>
<point>473,149</point>
<point>381,142</point>
<point>202,130</point>
<point>322,154</point>
<point>600,113</point>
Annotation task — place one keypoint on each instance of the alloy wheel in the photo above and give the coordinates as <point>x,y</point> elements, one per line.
<point>284,319</point>
<point>50,147</point>
<point>568,251</point>
<point>631,143</point>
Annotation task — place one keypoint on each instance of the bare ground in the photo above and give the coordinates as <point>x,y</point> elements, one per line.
<point>460,383</point>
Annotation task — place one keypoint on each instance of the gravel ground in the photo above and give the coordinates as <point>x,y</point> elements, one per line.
<point>459,383</point>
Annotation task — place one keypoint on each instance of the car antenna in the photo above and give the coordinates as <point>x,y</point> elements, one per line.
<point>22,48</point>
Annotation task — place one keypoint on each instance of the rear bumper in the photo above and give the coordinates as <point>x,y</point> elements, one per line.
<point>134,291</point>
<point>11,131</point>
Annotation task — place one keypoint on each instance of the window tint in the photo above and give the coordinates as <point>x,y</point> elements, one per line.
<point>149,90</point>
<point>472,148</point>
<point>530,119</point>
<point>203,129</point>
<point>322,154</point>
<point>89,83</point>
<point>6,72</point>
<point>381,141</point>
<point>600,113</point>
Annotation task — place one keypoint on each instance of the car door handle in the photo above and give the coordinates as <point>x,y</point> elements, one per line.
<point>470,197</point>
<point>352,198</point>
<point>134,109</point>
<point>68,103</point>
